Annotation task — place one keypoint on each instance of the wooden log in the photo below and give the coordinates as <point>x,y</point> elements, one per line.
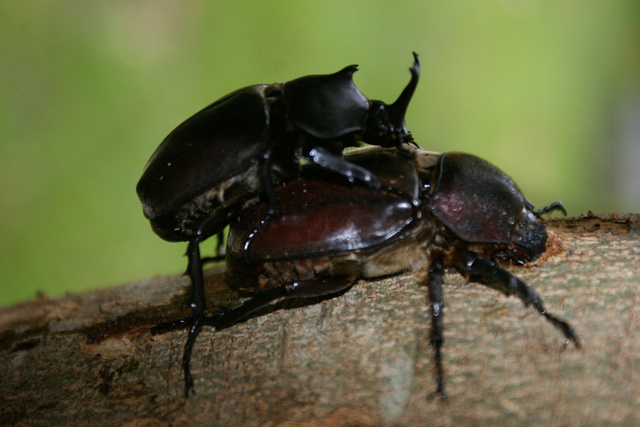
<point>360,359</point>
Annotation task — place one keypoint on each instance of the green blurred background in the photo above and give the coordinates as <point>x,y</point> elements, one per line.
<point>547,90</point>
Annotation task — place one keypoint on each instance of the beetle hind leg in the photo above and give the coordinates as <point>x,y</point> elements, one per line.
<point>489,273</point>
<point>435,279</point>
<point>300,289</point>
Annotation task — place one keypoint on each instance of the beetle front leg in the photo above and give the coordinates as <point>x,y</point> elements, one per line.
<point>337,164</point>
<point>489,273</point>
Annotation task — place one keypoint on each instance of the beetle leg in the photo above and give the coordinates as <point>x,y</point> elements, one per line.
<point>555,206</point>
<point>227,318</point>
<point>214,224</point>
<point>219,256</point>
<point>195,326</point>
<point>195,273</point>
<point>301,289</point>
<point>220,245</point>
<point>434,285</point>
<point>337,164</point>
<point>194,331</point>
<point>198,305</point>
<point>269,190</point>
<point>489,273</point>
<point>267,184</point>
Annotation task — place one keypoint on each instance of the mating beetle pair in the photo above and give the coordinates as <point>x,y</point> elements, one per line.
<point>317,233</point>
<point>331,233</point>
<point>237,145</point>
<point>202,172</point>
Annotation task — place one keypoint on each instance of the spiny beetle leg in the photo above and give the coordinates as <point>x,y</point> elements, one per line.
<point>194,331</point>
<point>353,173</point>
<point>214,224</point>
<point>301,289</point>
<point>490,274</point>
<point>227,318</point>
<point>435,279</point>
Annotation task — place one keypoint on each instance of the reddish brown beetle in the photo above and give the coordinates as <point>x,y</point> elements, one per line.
<point>330,234</point>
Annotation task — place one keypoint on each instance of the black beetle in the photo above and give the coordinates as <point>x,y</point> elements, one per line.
<point>235,145</point>
<point>199,175</point>
<point>330,234</point>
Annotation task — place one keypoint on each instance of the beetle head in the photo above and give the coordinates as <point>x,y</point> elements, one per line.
<point>530,235</point>
<point>385,123</point>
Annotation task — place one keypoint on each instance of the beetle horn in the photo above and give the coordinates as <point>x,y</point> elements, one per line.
<point>398,109</point>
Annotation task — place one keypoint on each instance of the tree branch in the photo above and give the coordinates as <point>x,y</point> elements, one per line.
<point>358,359</point>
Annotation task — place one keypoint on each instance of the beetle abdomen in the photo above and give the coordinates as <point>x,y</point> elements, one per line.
<point>219,142</point>
<point>336,219</point>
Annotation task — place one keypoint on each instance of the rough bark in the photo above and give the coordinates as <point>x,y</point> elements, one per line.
<point>358,359</point>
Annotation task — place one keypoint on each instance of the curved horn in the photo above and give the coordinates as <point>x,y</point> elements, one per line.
<point>398,109</point>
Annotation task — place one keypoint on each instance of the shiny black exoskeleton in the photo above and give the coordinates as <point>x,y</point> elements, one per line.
<point>243,143</point>
<point>237,145</point>
<point>330,234</point>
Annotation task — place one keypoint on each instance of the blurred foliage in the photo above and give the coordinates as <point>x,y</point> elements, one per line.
<point>544,89</point>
